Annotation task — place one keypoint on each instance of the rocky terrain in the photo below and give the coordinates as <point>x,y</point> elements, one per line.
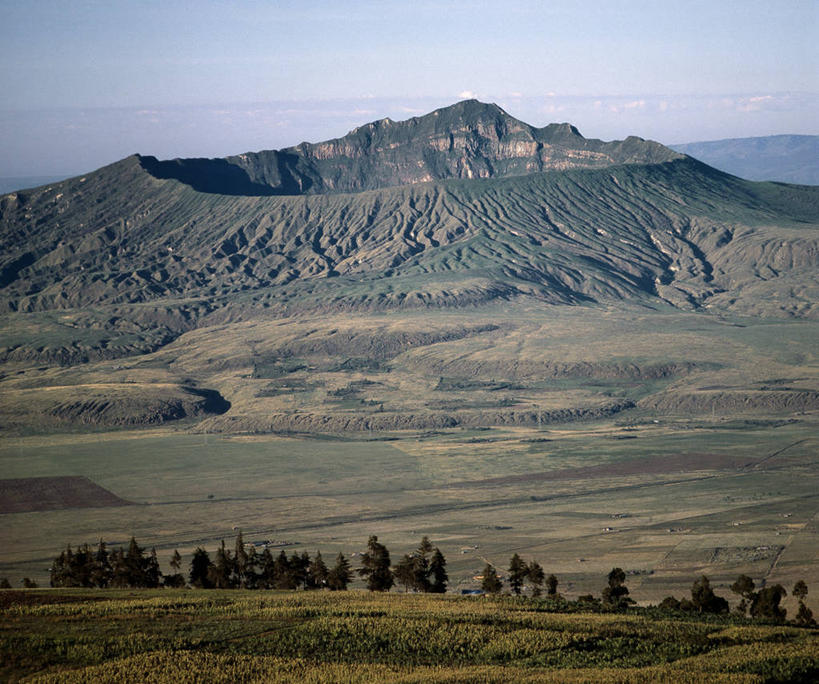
<point>254,292</point>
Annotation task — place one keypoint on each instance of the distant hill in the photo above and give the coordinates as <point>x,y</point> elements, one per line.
<point>785,158</point>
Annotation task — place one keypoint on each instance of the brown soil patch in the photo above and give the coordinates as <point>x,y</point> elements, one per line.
<point>652,465</point>
<point>27,494</point>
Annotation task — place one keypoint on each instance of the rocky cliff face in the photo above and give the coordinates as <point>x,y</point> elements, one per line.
<point>467,140</point>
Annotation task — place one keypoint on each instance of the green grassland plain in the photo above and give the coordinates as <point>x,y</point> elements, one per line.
<point>709,468</point>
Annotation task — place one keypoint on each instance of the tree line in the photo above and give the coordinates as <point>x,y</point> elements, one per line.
<point>422,570</point>
<point>764,604</point>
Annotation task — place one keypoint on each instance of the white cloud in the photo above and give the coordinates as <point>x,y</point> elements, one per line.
<point>635,104</point>
<point>467,95</point>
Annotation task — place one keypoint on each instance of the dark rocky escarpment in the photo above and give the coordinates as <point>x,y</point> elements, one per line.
<point>466,140</point>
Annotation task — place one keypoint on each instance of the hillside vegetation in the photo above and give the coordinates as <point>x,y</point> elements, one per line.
<point>182,636</point>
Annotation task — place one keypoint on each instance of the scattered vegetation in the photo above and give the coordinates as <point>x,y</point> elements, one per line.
<point>71,635</point>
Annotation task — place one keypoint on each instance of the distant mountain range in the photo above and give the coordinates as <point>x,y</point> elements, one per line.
<point>785,158</point>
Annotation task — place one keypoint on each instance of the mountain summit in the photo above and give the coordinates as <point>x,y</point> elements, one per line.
<point>463,206</point>
<point>469,139</point>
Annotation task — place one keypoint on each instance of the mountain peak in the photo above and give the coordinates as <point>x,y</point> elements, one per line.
<point>468,139</point>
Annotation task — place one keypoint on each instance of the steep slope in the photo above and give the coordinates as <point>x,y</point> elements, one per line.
<point>467,140</point>
<point>679,231</point>
<point>252,294</point>
<point>784,158</point>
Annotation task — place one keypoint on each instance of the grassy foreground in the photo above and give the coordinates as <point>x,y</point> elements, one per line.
<point>187,636</point>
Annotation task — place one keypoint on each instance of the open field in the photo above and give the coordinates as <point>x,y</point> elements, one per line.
<point>187,636</point>
<point>490,428</point>
<point>27,494</point>
<point>666,506</point>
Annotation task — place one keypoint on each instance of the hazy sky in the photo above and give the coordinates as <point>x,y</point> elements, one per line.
<point>84,83</point>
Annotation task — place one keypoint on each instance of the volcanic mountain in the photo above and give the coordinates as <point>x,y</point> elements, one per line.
<point>463,209</point>
<point>463,205</point>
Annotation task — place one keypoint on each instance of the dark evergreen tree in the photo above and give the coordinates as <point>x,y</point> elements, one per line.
<point>375,566</point>
<point>404,572</point>
<point>317,573</point>
<point>251,573</point>
<point>282,575</point>
<point>60,575</point>
<point>267,576</point>
<point>221,572</point>
<point>299,569</point>
<point>200,573</point>
<point>102,572</point>
<point>551,586</point>
<point>536,577</point>
<point>28,583</point>
<point>421,559</point>
<point>153,575</point>
<point>491,583</point>
<point>5,584</point>
<point>517,573</point>
<point>240,562</point>
<point>437,572</point>
<point>341,574</point>
<point>175,578</point>
<point>135,565</point>
<point>120,574</point>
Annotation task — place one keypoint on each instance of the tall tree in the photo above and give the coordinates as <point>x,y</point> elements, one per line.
<point>341,574</point>
<point>437,571</point>
<point>551,586</point>
<point>404,572</point>
<point>152,572</point>
<point>222,570</point>
<point>200,573</point>
<point>804,616</point>
<point>267,579</point>
<point>705,600</point>
<point>282,574</point>
<point>101,575</point>
<point>251,573</point>
<point>375,566</point>
<point>120,572</point>
<point>765,605</point>
<point>615,593</point>
<point>744,586</point>
<point>517,573</point>
<point>536,577</point>
<point>136,564</point>
<point>491,583</point>
<point>317,573</point>
<point>175,578</point>
<point>422,554</point>
<point>240,561</point>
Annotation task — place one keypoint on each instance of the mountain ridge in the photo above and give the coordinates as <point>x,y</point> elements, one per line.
<point>469,139</point>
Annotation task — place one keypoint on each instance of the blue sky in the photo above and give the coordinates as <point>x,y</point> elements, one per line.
<point>84,83</point>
